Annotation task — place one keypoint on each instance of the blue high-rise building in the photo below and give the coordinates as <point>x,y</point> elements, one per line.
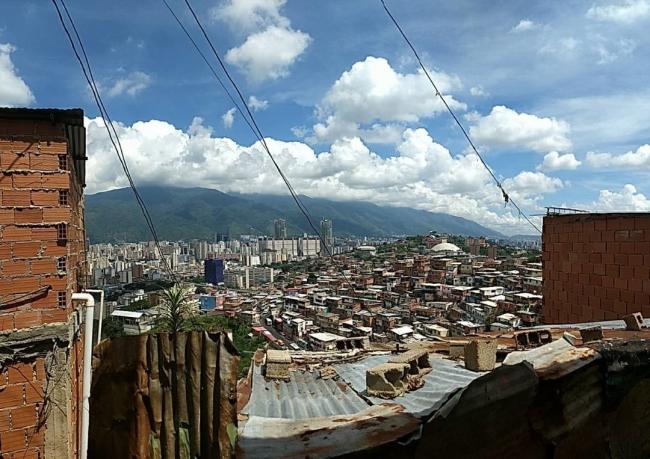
<point>214,270</point>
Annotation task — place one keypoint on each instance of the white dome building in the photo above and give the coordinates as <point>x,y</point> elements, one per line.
<point>445,247</point>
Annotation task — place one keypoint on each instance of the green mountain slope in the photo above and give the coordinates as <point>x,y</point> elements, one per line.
<point>188,213</point>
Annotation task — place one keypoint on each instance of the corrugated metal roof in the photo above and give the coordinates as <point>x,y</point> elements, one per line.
<point>306,395</point>
<point>554,359</point>
<point>606,325</point>
<point>445,378</point>
<point>326,436</point>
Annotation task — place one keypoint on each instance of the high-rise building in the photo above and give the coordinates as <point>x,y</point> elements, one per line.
<point>42,263</point>
<point>327,244</point>
<point>213,269</point>
<point>280,229</point>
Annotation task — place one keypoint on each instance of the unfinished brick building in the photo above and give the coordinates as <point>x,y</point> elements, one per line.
<point>596,266</point>
<point>42,262</point>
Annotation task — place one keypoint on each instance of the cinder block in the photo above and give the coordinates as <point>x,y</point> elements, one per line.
<point>591,334</point>
<point>418,361</point>
<point>277,364</point>
<point>480,355</point>
<point>387,380</point>
<point>634,321</point>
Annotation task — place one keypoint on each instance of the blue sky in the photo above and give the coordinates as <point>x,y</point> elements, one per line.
<point>554,93</point>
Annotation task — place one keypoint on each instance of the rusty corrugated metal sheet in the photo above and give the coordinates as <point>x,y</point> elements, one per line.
<point>164,396</point>
<point>555,359</point>
<point>324,437</point>
<point>305,395</point>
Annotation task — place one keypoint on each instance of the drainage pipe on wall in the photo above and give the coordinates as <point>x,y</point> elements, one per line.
<point>89,304</point>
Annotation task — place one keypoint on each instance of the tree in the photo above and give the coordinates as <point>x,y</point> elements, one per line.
<point>175,308</point>
<point>112,328</point>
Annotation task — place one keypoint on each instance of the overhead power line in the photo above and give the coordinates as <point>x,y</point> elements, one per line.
<point>86,68</point>
<point>247,115</point>
<point>506,197</point>
<point>256,130</point>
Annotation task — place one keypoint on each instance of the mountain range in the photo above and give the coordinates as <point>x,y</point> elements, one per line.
<point>200,213</point>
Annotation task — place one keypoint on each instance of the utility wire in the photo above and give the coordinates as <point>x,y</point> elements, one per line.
<point>506,197</point>
<point>247,115</point>
<point>108,123</point>
<point>261,137</point>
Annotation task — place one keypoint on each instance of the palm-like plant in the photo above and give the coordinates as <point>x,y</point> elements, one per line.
<point>176,307</point>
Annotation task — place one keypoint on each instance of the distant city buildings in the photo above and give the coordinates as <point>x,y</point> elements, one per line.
<point>327,235</point>
<point>280,229</point>
<point>214,270</point>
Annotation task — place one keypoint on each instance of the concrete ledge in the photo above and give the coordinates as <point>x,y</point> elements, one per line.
<point>31,342</point>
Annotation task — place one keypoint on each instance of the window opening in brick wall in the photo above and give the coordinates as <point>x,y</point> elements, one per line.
<point>61,264</point>
<point>63,197</point>
<point>62,300</point>
<point>63,162</point>
<point>62,231</point>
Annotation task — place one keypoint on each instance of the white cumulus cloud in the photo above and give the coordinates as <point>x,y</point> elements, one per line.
<point>228,118</point>
<point>639,159</point>
<point>250,14</point>
<point>627,11</point>
<point>528,187</point>
<point>555,161</point>
<point>626,200</point>
<point>421,174</point>
<point>13,89</point>
<point>524,26</point>
<point>272,45</point>
<point>371,91</point>
<point>478,91</point>
<point>505,127</point>
<point>268,55</point>
<point>131,84</point>
<point>257,104</point>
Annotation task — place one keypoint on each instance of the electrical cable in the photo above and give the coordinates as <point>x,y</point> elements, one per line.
<point>506,197</point>
<point>108,124</point>
<point>248,117</point>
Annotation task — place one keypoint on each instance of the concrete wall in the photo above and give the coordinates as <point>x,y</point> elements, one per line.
<point>42,262</point>
<point>596,266</point>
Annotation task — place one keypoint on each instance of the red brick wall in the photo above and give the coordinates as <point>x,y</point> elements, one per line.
<point>596,267</point>
<point>38,193</point>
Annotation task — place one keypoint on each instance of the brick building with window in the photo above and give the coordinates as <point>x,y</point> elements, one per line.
<point>42,262</point>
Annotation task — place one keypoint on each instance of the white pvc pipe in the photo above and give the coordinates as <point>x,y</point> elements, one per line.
<point>101,312</point>
<point>89,301</point>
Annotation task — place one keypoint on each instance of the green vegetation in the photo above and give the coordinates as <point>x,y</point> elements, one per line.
<point>139,305</point>
<point>186,213</point>
<point>112,328</point>
<point>402,247</point>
